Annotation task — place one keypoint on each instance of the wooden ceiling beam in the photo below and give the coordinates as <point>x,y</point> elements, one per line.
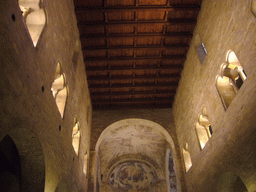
<point>132,47</point>
<point>180,21</point>
<point>170,85</point>
<point>128,8</point>
<point>170,57</point>
<point>161,67</point>
<point>95,94</point>
<point>99,78</point>
<point>138,35</point>
<point>155,105</point>
<point>137,101</point>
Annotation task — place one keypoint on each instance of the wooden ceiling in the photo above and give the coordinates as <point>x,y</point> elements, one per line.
<point>134,50</point>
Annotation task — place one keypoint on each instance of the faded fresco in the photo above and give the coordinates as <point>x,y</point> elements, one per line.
<point>132,176</point>
<point>133,139</point>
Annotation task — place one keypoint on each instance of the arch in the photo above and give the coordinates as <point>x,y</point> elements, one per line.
<point>156,126</point>
<point>31,159</point>
<point>34,17</point>
<point>231,78</point>
<point>187,158</point>
<point>203,128</point>
<point>59,89</point>
<point>226,90</point>
<point>121,126</point>
<point>230,182</point>
<point>76,136</point>
<point>200,48</point>
<point>10,167</point>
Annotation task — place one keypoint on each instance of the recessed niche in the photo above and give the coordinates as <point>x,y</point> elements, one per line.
<point>76,136</point>
<point>230,80</point>
<point>200,48</point>
<point>13,17</point>
<point>186,157</point>
<point>59,89</point>
<point>34,17</point>
<point>203,128</point>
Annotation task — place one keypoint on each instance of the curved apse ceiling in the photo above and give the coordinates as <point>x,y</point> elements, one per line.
<point>133,138</point>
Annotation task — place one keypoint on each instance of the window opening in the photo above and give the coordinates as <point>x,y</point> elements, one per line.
<point>203,128</point>
<point>187,158</point>
<point>59,89</point>
<point>200,48</point>
<point>230,79</point>
<point>34,17</point>
<point>76,136</point>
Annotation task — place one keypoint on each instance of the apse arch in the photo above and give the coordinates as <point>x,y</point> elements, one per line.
<point>32,162</point>
<point>120,126</point>
<point>231,182</point>
<point>145,122</point>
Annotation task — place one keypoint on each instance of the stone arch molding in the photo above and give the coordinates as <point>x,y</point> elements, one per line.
<point>28,163</point>
<point>34,18</point>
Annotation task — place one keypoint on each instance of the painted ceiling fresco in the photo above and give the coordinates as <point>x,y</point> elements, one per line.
<point>132,176</point>
<point>133,139</point>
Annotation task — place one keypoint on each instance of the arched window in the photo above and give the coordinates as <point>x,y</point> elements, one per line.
<point>231,79</point>
<point>200,48</point>
<point>203,128</point>
<point>76,136</point>
<point>186,157</point>
<point>34,17</point>
<point>59,89</point>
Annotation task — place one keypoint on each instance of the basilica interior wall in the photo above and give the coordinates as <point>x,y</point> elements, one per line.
<point>230,110</point>
<point>45,104</point>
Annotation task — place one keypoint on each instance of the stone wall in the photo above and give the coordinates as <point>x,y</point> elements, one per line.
<point>27,73</point>
<point>222,26</point>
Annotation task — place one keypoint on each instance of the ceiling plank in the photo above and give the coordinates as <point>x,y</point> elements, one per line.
<point>170,57</point>
<point>132,47</point>
<point>136,23</point>
<point>99,78</point>
<point>88,69</point>
<point>109,9</point>
<point>157,92</point>
<point>137,35</point>
<point>170,85</point>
